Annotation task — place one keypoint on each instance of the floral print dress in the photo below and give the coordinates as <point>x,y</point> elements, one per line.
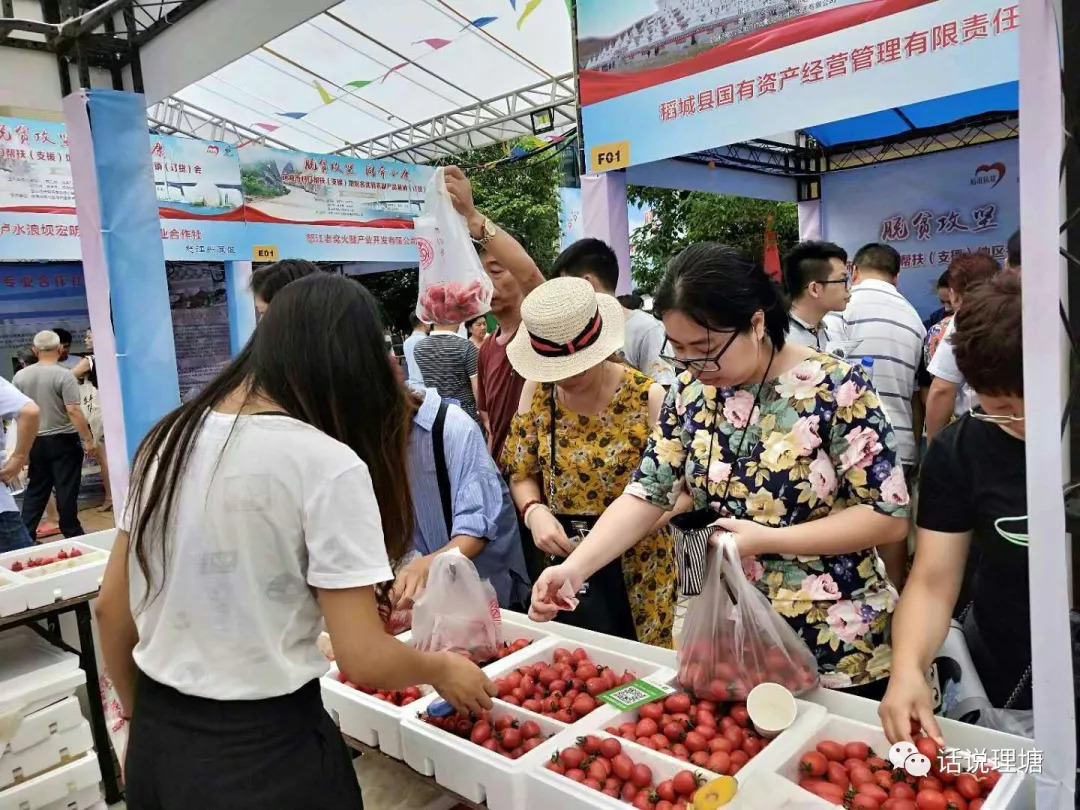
<point>597,454</point>
<point>817,440</point>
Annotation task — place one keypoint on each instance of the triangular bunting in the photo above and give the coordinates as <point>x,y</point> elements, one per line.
<point>392,70</point>
<point>360,83</point>
<point>323,94</point>
<point>480,22</point>
<point>513,4</point>
<point>294,115</point>
<point>267,127</point>
<point>434,42</point>
<point>530,7</point>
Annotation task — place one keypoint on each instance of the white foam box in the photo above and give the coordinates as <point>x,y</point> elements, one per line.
<point>12,595</point>
<point>60,580</point>
<point>964,736</point>
<point>103,540</point>
<point>88,799</point>
<point>575,636</point>
<point>42,724</point>
<point>377,723</point>
<point>807,719</point>
<point>33,673</point>
<point>544,788</point>
<point>56,749</point>
<point>471,771</point>
<point>66,783</point>
<point>843,730</point>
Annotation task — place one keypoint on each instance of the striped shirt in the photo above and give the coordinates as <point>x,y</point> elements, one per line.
<point>880,323</point>
<point>447,363</point>
<point>480,501</point>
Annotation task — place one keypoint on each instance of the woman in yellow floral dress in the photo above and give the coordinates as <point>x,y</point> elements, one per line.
<point>597,416</point>
<point>783,446</point>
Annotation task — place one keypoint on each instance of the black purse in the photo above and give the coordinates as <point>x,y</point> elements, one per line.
<point>603,603</point>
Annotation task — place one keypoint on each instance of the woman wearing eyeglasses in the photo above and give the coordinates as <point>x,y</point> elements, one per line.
<point>972,498</point>
<point>784,446</point>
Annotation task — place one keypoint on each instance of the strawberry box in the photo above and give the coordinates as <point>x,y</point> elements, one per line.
<point>53,572</point>
<point>42,724</point>
<point>55,750</point>
<point>470,770</point>
<point>575,636</point>
<point>57,788</point>
<point>800,761</point>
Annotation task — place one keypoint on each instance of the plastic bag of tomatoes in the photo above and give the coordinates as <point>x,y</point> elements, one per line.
<point>733,639</point>
<point>453,284</point>
<point>457,611</point>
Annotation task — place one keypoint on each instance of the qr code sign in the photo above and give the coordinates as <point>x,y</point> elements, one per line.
<point>630,695</point>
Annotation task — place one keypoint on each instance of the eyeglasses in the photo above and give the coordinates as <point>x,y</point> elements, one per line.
<point>700,365</point>
<point>846,281</point>
<point>995,418</point>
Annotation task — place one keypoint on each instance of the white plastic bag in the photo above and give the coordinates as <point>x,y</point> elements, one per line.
<point>732,639</point>
<point>457,611</point>
<point>453,284</point>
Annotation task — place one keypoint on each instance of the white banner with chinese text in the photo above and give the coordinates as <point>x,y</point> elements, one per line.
<point>929,208</point>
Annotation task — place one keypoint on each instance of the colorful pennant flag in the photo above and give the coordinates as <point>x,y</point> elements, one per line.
<point>513,4</point>
<point>267,127</point>
<point>392,70</point>
<point>360,83</point>
<point>480,22</point>
<point>530,7</point>
<point>294,115</point>
<point>323,94</point>
<point>434,42</point>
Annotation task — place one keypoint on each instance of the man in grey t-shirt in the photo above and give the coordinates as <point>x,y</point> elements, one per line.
<point>57,456</point>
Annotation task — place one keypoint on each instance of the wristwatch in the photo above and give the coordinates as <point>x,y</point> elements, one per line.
<point>488,232</point>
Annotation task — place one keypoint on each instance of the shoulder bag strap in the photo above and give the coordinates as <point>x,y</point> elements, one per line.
<point>551,460</point>
<point>441,472</point>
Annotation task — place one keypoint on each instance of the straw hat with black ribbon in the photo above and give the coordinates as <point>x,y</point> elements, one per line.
<point>566,328</point>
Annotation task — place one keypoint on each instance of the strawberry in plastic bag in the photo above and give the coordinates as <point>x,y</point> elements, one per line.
<point>733,640</point>
<point>453,285</point>
<point>457,611</point>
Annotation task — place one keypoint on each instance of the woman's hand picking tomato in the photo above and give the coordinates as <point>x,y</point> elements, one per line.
<point>545,596</point>
<point>907,699</point>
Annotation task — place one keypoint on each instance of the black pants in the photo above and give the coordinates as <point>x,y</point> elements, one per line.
<point>282,753</point>
<point>55,463</point>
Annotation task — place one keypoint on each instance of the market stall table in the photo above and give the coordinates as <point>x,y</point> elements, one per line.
<point>49,616</point>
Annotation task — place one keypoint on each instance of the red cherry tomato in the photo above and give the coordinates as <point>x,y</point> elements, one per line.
<point>856,750</point>
<point>641,775</point>
<point>813,763</point>
<point>838,775</point>
<point>931,800</point>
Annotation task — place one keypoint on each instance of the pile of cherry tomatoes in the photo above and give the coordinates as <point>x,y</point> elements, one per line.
<point>564,688</point>
<point>504,734</point>
<point>715,672</point>
<point>701,732</point>
<point>599,763</point>
<point>397,697</point>
<point>451,302</point>
<point>852,775</point>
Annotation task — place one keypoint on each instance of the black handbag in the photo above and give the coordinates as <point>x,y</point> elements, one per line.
<point>603,604</point>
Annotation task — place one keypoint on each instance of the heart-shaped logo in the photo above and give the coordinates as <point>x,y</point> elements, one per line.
<point>988,174</point>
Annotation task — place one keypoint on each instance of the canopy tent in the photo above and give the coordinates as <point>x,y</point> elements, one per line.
<point>434,77</point>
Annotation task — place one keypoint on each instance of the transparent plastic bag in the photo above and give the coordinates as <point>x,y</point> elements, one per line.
<point>457,611</point>
<point>732,639</point>
<point>453,284</point>
<point>396,622</point>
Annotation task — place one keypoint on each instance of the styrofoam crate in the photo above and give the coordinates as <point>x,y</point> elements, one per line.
<point>844,730</point>
<point>371,721</point>
<point>12,595</point>
<point>57,749</point>
<point>64,579</point>
<point>103,540</point>
<point>545,788</point>
<point>39,726</point>
<point>471,771</point>
<point>33,673</point>
<point>88,799</point>
<point>807,719</point>
<point>50,788</point>
<point>660,656</point>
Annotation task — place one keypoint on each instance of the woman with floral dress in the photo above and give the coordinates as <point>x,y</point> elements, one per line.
<point>787,448</point>
<point>581,427</point>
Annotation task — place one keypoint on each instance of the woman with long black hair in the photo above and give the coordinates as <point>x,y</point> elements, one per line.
<point>276,498</point>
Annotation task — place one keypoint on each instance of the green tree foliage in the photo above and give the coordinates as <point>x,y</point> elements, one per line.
<point>681,218</point>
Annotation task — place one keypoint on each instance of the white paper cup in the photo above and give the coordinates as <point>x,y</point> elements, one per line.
<point>771,708</point>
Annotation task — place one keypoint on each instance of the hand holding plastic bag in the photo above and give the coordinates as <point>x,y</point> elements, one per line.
<point>457,611</point>
<point>397,619</point>
<point>453,284</point>
<point>733,640</point>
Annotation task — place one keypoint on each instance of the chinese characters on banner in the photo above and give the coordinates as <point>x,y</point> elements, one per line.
<point>951,34</point>
<point>36,296</point>
<point>937,207</point>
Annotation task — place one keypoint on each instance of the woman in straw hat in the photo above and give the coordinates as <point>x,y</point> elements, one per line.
<point>783,446</point>
<point>581,427</point>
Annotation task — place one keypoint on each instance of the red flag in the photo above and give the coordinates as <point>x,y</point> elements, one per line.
<point>772,252</point>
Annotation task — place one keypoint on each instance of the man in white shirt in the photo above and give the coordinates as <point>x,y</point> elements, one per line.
<point>595,261</point>
<point>816,278</point>
<point>420,331</point>
<point>15,405</point>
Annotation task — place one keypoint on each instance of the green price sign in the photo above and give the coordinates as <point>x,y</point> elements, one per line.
<point>636,693</point>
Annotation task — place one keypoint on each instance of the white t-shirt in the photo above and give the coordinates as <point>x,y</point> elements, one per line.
<point>943,364</point>
<point>12,400</point>
<point>643,345</point>
<point>283,510</point>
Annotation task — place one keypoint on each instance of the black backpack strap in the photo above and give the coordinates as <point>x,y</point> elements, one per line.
<point>441,473</point>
